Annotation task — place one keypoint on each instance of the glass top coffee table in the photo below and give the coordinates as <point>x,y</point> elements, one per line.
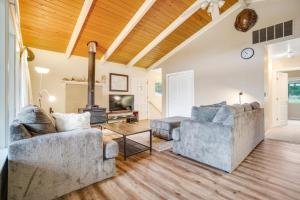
<point>128,147</point>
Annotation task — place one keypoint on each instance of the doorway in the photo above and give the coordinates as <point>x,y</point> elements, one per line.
<point>140,89</point>
<point>180,93</point>
<point>284,91</point>
<point>294,95</point>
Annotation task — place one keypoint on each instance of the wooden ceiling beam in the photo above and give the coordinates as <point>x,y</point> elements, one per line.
<point>182,18</point>
<point>86,7</point>
<point>239,5</point>
<point>215,14</point>
<point>128,28</point>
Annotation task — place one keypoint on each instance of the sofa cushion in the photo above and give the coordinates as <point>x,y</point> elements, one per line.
<point>225,116</point>
<point>204,113</point>
<point>247,107</point>
<point>237,108</point>
<point>36,120</point>
<point>71,121</point>
<point>222,103</point>
<point>18,131</point>
<point>255,105</point>
<point>111,149</point>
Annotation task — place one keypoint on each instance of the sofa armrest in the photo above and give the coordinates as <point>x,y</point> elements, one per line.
<point>176,134</point>
<point>54,164</point>
<point>206,142</point>
<point>111,149</point>
<point>56,148</point>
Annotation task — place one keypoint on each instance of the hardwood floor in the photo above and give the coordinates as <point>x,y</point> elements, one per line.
<point>271,171</point>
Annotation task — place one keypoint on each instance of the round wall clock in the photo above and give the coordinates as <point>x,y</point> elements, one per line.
<point>247,53</point>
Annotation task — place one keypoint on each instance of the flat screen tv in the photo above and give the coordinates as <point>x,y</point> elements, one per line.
<point>121,102</point>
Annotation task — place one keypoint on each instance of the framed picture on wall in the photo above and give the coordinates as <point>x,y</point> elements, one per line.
<point>118,82</point>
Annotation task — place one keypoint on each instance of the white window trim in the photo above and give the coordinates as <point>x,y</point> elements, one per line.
<point>4,74</point>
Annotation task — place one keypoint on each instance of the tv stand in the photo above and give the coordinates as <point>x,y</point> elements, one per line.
<point>121,116</point>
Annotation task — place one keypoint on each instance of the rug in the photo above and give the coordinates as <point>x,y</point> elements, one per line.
<point>143,138</point>
<point>289,133</point>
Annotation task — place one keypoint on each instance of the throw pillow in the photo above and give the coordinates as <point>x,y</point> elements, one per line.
<point>18,131</point>
<point>36,120</point>
<point>247,107</point>
<point>225,116</point>
<point>204,113</point>
<point>255,105</point>
<point>71,121</point>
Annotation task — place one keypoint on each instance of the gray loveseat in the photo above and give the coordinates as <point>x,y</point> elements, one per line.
<point>220,136</point>
<point>47,166</point>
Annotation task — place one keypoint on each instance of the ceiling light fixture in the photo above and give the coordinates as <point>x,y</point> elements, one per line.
<point>209,5</point>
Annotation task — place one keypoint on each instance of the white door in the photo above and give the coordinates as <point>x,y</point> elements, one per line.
<point>180,93</point>
<point>280,99</point>
<point>140,91</point>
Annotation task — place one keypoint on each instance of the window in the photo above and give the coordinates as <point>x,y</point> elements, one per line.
<point>3,72</point>
<point>158,88</point>
<point>8,73</point>
<point>294,92</point>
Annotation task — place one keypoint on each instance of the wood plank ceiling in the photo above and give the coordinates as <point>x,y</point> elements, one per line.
<point>48,24</point>
<point>184,31</point>
<point>159,17</point>
<point>105,21</point>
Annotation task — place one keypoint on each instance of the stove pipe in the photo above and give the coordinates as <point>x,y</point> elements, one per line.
<point>92,48</point>
<point>98,115</point>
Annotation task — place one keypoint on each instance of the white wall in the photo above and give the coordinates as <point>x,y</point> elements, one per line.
<point>294,74</point>
<point>292,63</point>
<point>220,73</point>
<point>61,67</point>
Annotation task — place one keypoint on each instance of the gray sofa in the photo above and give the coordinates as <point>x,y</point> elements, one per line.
<point>220,136</point>
<point>50,165</point>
